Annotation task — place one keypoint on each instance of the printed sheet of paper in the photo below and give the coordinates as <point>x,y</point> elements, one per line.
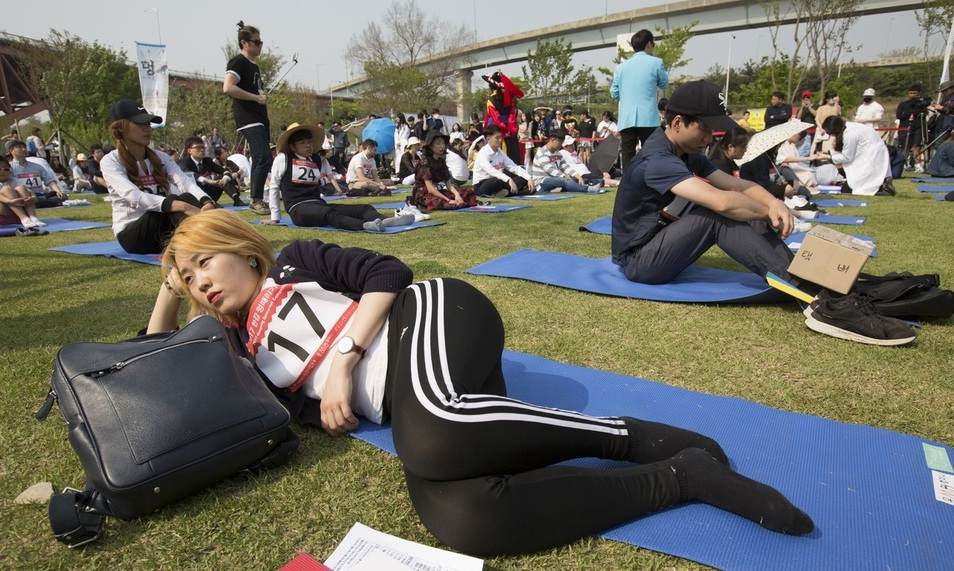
<point>943,487</point>
<point>366,549</point>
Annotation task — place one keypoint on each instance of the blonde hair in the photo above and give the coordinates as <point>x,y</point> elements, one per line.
<point>217,231</point>
<point>118,130</point>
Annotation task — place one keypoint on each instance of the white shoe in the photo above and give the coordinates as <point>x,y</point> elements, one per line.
<point>805,214</point>
<point>410,209</point>
<point>796,201</point>
<point>801,226</point>
<point>595,189</point>
<point>919,168</point>
<point>37,221</point>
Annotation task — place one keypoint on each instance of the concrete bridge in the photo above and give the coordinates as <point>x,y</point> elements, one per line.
<point>713,16</point>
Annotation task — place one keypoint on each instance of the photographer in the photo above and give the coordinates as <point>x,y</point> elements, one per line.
<point>911,115</point>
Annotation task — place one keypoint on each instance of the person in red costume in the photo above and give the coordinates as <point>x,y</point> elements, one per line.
<point>502,110</point>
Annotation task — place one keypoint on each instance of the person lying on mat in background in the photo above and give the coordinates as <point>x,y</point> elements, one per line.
<point>859,150</point>
<point>214,180</point>
<point>553,173</point>
<point>151,195</point>
<point>296,174</point>
<point>673,205</point>
<point>18,205</point>
<point>434,187</point>
<point>363,171</point>
<point>494,172</point>
<point>339,333</point>
<point>34,178</point>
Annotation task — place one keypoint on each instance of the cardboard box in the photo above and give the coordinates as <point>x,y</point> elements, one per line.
<point>830,259</point>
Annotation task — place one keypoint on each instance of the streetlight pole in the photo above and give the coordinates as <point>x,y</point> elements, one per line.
<point>728,72</point>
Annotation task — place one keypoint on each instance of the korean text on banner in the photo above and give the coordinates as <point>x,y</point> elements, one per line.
<point>153,77</point>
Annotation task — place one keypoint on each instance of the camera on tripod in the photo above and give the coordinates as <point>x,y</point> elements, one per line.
<point>919,105</point>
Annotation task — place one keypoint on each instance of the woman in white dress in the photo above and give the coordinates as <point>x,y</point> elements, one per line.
<point>863,155</point>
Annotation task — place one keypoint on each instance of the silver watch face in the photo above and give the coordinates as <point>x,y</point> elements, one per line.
<point>345,345</point>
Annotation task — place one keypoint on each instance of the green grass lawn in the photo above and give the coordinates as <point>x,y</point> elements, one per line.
<point>761,353</point>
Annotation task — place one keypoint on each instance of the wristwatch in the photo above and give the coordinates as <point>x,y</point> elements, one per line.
<point>347,345</point>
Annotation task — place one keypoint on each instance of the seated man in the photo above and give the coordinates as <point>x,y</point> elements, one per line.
<point>211,178</point>
<point>17,205</point>
<point>495,173</point>
<point>942,163</point>
<point>93,171</point>
<point>653,245</point>
<point>551,171</point>
<point>33,177</point>
<point>363,172</point>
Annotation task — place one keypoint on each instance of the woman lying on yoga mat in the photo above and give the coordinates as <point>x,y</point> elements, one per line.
<point>342,332</point>
<point>297,174</point>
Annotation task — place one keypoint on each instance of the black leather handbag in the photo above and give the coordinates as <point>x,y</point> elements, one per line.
<point>157,418</point>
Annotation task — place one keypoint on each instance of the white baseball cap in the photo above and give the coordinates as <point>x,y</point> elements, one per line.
<point>413,141</point>
<point>870,92</point>
<point>568,140</point>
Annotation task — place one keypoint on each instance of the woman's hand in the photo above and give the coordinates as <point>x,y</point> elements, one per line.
<point>210,205</point>
<point>336,415</point>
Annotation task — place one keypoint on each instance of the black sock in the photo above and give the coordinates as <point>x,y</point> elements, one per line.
<point>702,477</point>
<point>655,441</point>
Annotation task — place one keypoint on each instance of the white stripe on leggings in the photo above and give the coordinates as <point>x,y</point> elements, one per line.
<point>573,419</point>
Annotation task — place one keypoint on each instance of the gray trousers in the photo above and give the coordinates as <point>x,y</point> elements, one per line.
<point>755,245</point>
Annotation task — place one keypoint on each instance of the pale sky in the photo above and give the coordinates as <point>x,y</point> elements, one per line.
<point>319,31</point>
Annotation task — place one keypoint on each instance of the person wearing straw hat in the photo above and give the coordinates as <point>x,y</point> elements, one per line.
<point>297,175</point>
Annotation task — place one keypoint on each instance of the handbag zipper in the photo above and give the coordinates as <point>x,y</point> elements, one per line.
<point>51,396</point>
<point>120,364</point>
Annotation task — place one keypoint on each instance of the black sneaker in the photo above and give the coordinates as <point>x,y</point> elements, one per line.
<point>852,317</point>
<point>238,201</point>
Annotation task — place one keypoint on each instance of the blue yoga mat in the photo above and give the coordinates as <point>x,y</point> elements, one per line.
<point>933,179</point>
<point>547,197</point>
<point>110,249</point>
<point>832,219</point>
<point>939,197</point>
<point>868,490</point>
<point>394,230</point>
<point>233,208</point>
<point>600,275</point>
<point>390,205</point>
<point>929,188</point>
<point>494,208</point>
<point>835,203</point>
<point>56,225</point>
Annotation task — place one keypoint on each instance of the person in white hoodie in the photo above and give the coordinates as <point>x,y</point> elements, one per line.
<point>495,173</point>
<point>863,155</point>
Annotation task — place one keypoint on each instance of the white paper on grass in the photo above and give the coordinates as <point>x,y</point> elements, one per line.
<point>364,549</point>
<point>943,487</point>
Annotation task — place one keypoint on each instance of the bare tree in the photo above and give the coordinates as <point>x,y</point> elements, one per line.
<point>389,54</point>
<point>827,31</point>
<point>795,73</point>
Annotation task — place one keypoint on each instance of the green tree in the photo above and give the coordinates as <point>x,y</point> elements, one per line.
<point>79,81</point>
<point>551,75</point>
<point>671,46</point>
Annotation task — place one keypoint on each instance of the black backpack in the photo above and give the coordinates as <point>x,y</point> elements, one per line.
<point>157,418</point>
<point>906,295</point>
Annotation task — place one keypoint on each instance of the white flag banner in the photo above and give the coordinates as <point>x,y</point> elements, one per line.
<point>153,78</point>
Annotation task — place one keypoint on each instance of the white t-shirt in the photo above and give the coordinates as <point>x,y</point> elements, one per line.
<point>606,128</point>
<point>457,165</point>
<point>869,113</point>
<point>490,163</point>
<point>363,162</point>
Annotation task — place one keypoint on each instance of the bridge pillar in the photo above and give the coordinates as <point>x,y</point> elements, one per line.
<point>462,81</point>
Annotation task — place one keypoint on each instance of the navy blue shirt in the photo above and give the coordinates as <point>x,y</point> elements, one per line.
<point>645,191</point>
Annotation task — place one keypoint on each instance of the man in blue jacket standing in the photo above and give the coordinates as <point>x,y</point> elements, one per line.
<point>635,82</point>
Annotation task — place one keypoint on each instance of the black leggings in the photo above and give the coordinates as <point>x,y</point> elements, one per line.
<point>344,216</point>
<point>152,230</point>
<point>479,465</point>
